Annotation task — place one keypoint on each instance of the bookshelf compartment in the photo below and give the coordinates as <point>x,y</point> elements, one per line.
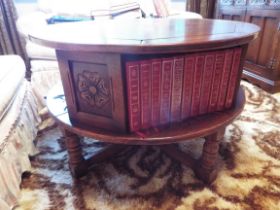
<point>169,89</point>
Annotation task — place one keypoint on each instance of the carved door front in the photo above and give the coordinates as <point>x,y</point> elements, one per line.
<point>231,13</point>
<point>263,50</point>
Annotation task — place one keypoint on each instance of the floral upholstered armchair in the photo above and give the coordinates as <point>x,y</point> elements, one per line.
<point>18,125</point>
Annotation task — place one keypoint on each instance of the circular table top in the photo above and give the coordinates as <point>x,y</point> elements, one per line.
<point>199,126</point>
<point>145,35</point>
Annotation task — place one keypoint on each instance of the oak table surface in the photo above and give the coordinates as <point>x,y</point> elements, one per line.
<point>145,35</point>
<point>81,40</point>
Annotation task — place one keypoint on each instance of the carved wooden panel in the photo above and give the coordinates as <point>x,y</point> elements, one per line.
<point>260,50</point>
<point>93,89</point>
<point>232,14</point>
<point>226,2</point>
<point>240,2</point>
<point>249,2</point>
<point>257,2</point>
<point>262,65</point>
<point>274,2</point>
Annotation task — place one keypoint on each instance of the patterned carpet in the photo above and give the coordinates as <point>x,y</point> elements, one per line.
<point>144,178</point>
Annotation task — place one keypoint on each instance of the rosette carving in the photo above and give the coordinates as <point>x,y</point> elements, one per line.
<point>92,88</point>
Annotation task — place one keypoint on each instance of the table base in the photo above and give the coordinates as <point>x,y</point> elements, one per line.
<point>205,168</point>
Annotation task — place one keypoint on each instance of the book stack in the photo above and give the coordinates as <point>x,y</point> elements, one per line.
<point>171,89</point>
<point>113,8</point>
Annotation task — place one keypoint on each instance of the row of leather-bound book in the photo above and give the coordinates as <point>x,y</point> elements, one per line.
<point>172,89</point>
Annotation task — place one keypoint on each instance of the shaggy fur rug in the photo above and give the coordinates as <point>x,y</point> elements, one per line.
<point>144,178</point>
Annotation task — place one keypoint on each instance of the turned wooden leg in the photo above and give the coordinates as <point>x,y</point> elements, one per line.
<point>207,167</point>
<point>77,163</point>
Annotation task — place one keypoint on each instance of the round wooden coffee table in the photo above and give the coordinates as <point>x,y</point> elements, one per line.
<point>211,126</point>
<point>148,82</point>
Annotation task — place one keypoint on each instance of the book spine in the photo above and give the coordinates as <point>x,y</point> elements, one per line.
<point>225,79</point>
<point>156,91</point>
<point>196,89</point>
<point>133,90</point>
<point>217,74</point>
<point>177,89</point>
<point>145,86</point>
<point>233,77</point>
<point>206,82</point>
<point>189,68</point>
<point>167,68</point>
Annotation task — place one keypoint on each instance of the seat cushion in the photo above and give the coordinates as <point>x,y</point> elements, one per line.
<point>12,73</point>
<point>18,128</point>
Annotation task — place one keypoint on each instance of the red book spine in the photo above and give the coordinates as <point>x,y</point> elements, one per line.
<point>233,77</point>
<point>177,89</point>
<point>206,83</point>
<point>217,75</point>
<point>225,79</point>
<point>187,85</point>
<point>196,89</point>
<point>167,68</point>
<point>133,93</point>
<point>156,89</point>
<point>145,86</point>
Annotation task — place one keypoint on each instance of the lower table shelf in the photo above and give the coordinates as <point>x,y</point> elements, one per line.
<point>210,126</point>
